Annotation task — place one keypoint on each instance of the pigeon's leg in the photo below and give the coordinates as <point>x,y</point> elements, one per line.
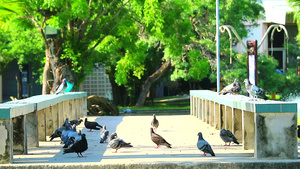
<point>158,146</point>
<point>204,154</point>
<point>82,155</point>
<point>90,130</point>
<point>115,151</point>
<point>229,144</point>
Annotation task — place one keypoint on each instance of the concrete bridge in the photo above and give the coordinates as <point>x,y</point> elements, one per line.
<point>181,131</point>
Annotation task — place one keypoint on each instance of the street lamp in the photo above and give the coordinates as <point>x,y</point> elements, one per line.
<point>51,34</point>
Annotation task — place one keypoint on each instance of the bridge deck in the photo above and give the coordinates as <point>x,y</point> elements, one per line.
<point>179,130</point>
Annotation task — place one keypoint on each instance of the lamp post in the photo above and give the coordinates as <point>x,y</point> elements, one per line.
<point>218,45</point>
<point>51,34</point>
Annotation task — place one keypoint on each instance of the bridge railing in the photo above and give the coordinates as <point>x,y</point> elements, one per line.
<point>23,123</point>
<point>268,127</point>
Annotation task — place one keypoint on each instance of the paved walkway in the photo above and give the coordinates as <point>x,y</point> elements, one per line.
<point>179,130</point>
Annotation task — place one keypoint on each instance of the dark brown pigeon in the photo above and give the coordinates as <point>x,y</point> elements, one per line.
<point>78,147</point>
<point>234,87</point>
<point>154,122</point>
<point>92,125</point>
<point>158,140</point>
<point>227,136</point>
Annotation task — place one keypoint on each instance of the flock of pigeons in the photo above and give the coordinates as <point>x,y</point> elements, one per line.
<point>253,90</point>
<point>76,142</point>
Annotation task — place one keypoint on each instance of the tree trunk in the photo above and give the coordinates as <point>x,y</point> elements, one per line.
<point>46,74</point>
<point>119,92</point>
<point>61,70</point>
<point>150,80</point>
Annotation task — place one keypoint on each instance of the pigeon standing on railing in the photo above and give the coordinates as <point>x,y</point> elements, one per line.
<point>227,136</point>
<point>78,147</point>
<point>154,122</point>
<point>234,87</point>
<point>158,140</point>
<point>92,125</point>
<point>103,135</point>
<point>62,87</point>
<point>254,90</point>
<point>117,143</point>
<point>204,146</point>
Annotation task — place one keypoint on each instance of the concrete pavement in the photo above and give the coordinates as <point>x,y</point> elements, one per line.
<point>179,130</point>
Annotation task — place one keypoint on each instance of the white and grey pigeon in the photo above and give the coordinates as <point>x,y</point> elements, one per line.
<point>228,137</point>
<point>62,87</point>
<point>254,90</point>
<point>234,87</point>
<point>104,134</point>
<point>117,143</point>
<point>204,146</point>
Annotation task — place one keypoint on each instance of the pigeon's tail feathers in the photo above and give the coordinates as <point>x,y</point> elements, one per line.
<point>127,145</point>
<point>236,142</point>
<point>68,151</point>
<point>212,154</point>
<point>168,145</point>
<point>101,140</point>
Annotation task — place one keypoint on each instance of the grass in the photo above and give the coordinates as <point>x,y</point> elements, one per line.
<point>158,104</point>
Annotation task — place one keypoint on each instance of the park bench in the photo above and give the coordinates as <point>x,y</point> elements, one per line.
<point>23,123</point>
<point>269,127</point>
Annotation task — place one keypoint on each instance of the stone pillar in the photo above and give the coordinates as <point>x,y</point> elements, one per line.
<point>217,123</point>
<point>48,121</point>
<point>18,135</point>
<point>6,141</point>
<point>229,118</point>
<point>248,130</point>
<point>41,125</point>
<point>276,135</point>
<point>32,130</point>
<point>212,113</point>
<point>237,125</point>
<point>222,117</point>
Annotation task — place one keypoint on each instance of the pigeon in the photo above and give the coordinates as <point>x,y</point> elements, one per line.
<point>62,87</point>
<point>72,137</point>
<point>58,132</point>
<point>158,140</point>
<point>227,136</point>
<point>154,122</point>
<point>204,146</point>
<point>234,87</point>
<point>78,147</point>
<point>92,125</point>
<point>117,143</point>
<point>112,136</point>
<point>77,122</point>
<point>254,90</point>
<point>103,135</point>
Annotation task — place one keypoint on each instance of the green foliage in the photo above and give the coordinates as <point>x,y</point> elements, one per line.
<point>268,78</point>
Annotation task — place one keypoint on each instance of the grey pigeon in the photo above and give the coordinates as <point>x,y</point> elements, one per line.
<point>58,132</point>
<point>227,136</point>
<point>158,140</point>
<point>154,122</point>
<point>117,143</point>
<point>112,136</point>
<point>62,87</point>
<point>76,122</point>
<point>234,87</point>
<point>72,137</point>
<point>104,134</point>
<point>92,125</point>
<point>78,147</point>
<point>254,90</point>
<point>204,146</point>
